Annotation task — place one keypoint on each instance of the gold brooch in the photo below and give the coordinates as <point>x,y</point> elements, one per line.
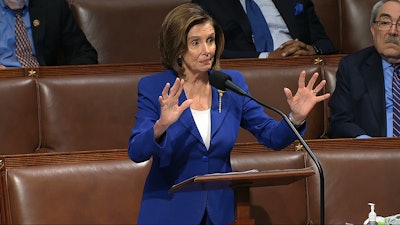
<point>221,93</point>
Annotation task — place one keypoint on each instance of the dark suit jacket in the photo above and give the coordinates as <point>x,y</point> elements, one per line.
<point>358,102</point>
<point>181,152</point>
<point>56,35</point>
<point>238,36</point>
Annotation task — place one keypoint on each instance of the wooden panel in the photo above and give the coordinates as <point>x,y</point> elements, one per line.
<point>150,67</point>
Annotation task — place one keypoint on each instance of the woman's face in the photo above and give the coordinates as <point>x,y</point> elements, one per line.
<point>200,49</point>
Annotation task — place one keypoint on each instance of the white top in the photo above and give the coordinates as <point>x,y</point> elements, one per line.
<point>203,123</point>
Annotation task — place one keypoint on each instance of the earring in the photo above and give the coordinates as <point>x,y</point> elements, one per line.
<point>179,61</point>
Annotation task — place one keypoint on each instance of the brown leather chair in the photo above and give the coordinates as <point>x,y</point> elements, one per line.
<point>329,74</point>
<point>87,112</point>
<point>19,116</point>
<point>346,22</point>
<point>123,31</point>
<point>328,12</point>
<point>355,16</point>
<point>267,86</point>
<point>107,191</point>
<point>103,106</point>
<point>127,30</point>
<point>354,177</point>
<point>95,188</point>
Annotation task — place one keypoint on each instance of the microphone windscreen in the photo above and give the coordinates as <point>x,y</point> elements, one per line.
<point>218,79</point>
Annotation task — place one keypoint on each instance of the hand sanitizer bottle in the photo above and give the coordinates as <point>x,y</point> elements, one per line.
<point>372,215</point>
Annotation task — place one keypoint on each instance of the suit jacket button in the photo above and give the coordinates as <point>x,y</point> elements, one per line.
<point>205,158</point>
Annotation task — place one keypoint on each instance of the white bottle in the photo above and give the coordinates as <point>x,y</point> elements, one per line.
<point>372,215</point>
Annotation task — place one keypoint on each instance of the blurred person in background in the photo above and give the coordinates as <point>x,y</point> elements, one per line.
<point>292,26</point>
<point>41,33</point>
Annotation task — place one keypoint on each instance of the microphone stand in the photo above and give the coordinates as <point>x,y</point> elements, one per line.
<point>306,147</point>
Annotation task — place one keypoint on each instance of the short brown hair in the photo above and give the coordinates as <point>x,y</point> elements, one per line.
<point>174,31</point>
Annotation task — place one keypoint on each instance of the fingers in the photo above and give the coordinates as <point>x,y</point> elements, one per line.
<point>295,48</point>
<point>320,86</point>
<point>312,81</point>
<point>164,93</point>
<point>324,97</point>
<point>288,93</point>
<point>175,90</point>
<point>186,104</point>
<point>311,84</point>
<point>160,100</point>
<point>302,52</point>
<point>302,79</point>
<point>284,45</point>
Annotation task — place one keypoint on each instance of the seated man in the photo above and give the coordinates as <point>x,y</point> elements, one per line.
<point>365,102</point>
<point>41,33</point>
<point>294,27</point>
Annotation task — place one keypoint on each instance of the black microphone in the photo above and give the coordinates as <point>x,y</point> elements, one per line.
<point>223,81</point>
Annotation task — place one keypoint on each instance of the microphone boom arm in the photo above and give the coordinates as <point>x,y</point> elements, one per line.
<point>302,141</point>
<point>223,81</point>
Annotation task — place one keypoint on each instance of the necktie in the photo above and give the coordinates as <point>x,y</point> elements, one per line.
<point>261,33</point>
<point>23,45</point>
<point>396,100</point>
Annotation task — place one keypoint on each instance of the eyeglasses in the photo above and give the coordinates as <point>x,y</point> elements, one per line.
<point>387,25</point>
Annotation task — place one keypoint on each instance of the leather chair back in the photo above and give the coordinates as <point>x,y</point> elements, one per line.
<point>346,22</point>
<point>19,116</point>
<point>100,192</point>
<point>87,112</point>
<point>329,16</point>
<point>123,31</point>
<point>329,74</point>
<point>274,80</point>
<point>356,33</point>
<point>353,178</point>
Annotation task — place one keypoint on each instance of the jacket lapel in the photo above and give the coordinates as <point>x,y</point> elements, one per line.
<point>286,9</point>
<point>217,117</point>
<point>239,14</point>
<point>38,23</point>
<point>374,81</point>
<point>187,121</point>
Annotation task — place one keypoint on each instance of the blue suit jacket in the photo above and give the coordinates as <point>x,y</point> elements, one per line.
<point>181,154</point>
<point>358,104</point>
<point>239,42</point>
